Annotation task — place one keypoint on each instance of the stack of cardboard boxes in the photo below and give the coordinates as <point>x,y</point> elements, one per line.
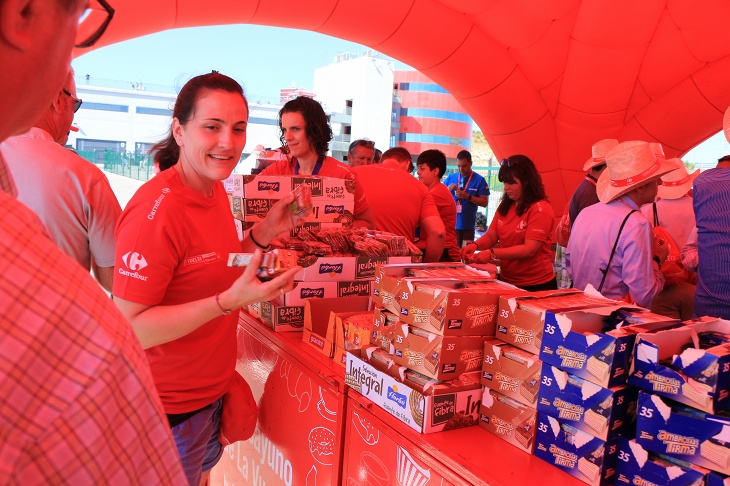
<point>684,376</point>
<point>584,403</point>
<point>429,328</point>
<point>340,276</point>
<point>512,371</point>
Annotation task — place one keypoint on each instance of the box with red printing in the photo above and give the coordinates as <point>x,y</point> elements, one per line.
<point>508,419</point>
<point>381,320</point>
<point>448,308</point>
<point>323,290</point>
<point>281,318</point>
<point>438,357</point>
<point>318,332</point>
<point>388,277</point>
<point>522,317</point>
<point>511,371</point>
<point>343,268</point>
<point>435,408</point>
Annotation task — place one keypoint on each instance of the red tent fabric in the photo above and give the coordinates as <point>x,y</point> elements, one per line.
<point>546,79</point>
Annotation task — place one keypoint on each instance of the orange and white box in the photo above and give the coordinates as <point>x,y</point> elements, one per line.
<point>508,419</point>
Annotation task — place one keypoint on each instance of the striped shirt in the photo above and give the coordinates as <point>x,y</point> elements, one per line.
<point>712,211</point>
<point>79,404</point>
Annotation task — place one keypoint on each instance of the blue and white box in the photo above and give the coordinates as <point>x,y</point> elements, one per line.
<point>637,466</point>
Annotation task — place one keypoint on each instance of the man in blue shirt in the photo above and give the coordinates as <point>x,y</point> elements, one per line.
<point>712,212</point>
<point>470,190</point>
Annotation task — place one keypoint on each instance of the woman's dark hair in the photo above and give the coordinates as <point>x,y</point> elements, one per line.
<point>317,127</point>
<point>434,159</point>
<point>520,167</point>
<point>167,151</point>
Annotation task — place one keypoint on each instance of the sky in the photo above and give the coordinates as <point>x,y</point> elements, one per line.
<point>263,59</point>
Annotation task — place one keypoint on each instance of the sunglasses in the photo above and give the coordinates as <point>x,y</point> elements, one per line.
<point>507,162</point>
<point>93,23</point>
<point>77,102</point>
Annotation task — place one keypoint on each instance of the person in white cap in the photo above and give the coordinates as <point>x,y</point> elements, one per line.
<point>585,194</point>
<point>73,198</point>
<point>611,245</point>
<point>674,213</point>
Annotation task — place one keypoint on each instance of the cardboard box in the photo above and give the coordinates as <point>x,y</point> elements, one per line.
<point>304,291</point>
<point>635,465</point>
<point>317,330</point>
<point>511,371</point>
<point>521,319</point>
<point>447,308</point>
<point>588,458</point>
<point>344,268</point>
<point>388,277</point>
<point>683,432</point>
<point>601,412</point>
<point>668,364</point>
<point>439,357</point>
<point>281,318</point>
<point>586,342</point>
<point>256,209</point>
<point>442,407</point>
<point>508,419</point>
<point>381,320</point>
<point>276,187</point>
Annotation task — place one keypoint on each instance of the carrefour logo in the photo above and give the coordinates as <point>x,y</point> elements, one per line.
<point>134,262</point>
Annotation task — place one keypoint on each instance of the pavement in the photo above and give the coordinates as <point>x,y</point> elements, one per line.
<point>123,187</point>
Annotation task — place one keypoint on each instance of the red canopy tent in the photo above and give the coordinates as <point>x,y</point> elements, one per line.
<point>546,79</point>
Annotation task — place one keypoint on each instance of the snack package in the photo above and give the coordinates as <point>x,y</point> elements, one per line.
<point>273,262</point>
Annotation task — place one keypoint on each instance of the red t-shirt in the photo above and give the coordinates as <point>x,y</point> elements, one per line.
<point>398,200</point>
<point>447,209</point>
<point>172,248</point>
<point>330,168</point>
<point>512,230</point>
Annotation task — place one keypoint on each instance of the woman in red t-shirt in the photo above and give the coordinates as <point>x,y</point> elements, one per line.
<point>520,233</point>
<point>306,134</point>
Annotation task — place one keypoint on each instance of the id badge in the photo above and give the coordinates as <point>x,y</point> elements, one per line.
<point>458,207</point>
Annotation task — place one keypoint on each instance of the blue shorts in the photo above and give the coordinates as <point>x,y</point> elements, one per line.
<point>197,441</point>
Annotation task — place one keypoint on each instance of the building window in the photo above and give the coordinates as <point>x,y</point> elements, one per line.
<point>143,110</point>
<point>440,114</point>
<point>439,139</point>
<point>105,107</point>
<point>262,121</point>
<point>425,87</point>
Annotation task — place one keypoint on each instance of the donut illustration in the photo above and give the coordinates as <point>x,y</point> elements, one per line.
<point>322,445</point>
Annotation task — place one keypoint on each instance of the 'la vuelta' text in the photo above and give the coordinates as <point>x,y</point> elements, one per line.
<point>270,456</point>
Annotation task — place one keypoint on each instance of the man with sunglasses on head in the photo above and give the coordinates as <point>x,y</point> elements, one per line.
<point>73,197</point>
<point>79,403</point>
<point>470,190</point>
<point>361,152</point>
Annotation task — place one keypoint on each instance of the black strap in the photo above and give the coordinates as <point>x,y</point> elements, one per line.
<point>615,244</point>
<point>656,215</point>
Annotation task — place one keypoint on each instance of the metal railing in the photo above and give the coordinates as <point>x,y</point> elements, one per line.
<point>134,166</point>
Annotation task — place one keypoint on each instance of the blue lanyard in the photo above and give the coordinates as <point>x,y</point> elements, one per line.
<point>315,171</point>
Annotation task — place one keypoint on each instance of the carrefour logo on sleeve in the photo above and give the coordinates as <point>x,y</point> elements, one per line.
<point>134,262</point>
<point>333,209</point>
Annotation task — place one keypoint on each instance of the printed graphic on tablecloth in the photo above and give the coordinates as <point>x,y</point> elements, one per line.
<point>375,471</point>
<point>298,385</point>
<point>365,429</point>
<point>408,473</point>
<point>325,412</point>
<point>322,445</point>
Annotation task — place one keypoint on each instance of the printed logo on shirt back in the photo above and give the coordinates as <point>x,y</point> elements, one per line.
<point>134,262</point>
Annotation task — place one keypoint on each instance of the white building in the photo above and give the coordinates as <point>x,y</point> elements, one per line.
<point>357,92</point>
<point>125,119</point>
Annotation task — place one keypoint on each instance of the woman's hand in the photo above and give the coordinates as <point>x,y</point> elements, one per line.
<point>248,289</point>
<point>485,256</point>
<point>279,219</point>
<point>467,253</point>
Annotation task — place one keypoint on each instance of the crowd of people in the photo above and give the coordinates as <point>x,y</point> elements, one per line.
<point>144,376</point>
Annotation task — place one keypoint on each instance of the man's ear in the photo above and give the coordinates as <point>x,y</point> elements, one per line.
<point>17,19</point>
